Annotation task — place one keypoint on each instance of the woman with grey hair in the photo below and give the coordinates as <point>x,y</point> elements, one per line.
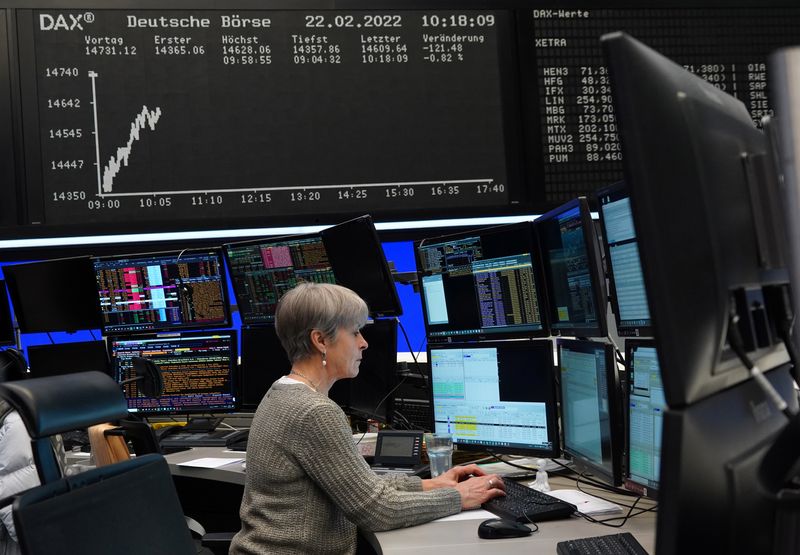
<point>307,488</point>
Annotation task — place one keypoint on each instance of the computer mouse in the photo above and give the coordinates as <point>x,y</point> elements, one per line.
<point>496,528</point>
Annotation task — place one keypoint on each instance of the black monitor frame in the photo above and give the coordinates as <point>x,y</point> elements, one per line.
<point>240,289</point>
<point>612,443</point>
<point>547,395</point>
<point>233,373</point>
<point>721,473</point>
<point>8,335</point>
<point>596,273</point>
<point>522,229</point>
<point>183,287</point>
<point>647,488</point>
<point>66,358</point>
<point>359,263</point>
<point>625,328</point>
<point>54,295</point>
<point>263,362</point>
<point>707,216</point>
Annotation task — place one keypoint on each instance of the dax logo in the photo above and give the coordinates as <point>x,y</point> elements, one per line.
<point>61,22</point>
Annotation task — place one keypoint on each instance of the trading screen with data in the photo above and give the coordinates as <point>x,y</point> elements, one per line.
<point>126,118</point>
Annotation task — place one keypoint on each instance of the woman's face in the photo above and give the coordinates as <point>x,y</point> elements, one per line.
<point>344,353</point>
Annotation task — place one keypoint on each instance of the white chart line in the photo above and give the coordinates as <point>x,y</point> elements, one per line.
<point>300,188</point>
<point>93,75</point>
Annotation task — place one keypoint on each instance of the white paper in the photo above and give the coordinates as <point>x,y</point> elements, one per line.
<point>586,504</point>
<point>477,514</point>
<point>210,462</point>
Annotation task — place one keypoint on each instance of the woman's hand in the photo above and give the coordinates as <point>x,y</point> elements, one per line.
<point>479,489</point>
<point>452,477</point>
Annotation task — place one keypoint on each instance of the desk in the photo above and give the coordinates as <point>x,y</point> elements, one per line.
<point>457,537</point>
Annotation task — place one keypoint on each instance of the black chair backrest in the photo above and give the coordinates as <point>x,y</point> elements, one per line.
<point>127,508</point>
<point>57,404</point>
<point>141,436</point>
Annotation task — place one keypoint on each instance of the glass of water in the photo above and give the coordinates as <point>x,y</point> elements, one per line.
<point>440,452</point>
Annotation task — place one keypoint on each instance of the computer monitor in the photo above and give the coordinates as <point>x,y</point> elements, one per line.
<point>7,335</point>
<point>591,408</point>
<point>199,370</point>
<point>645,406</point>
<point>721,472</point>
<point>54,295</point>
<point>704,199</point>
<point>264,269</point>
<point>162,291</point>
<point>482,284</point>
<point>263,362</point>
<point>367,395</point>
<point>67,358</point>
<point>496,395</point>
<point>573,272</point>
<point>626,289</point>
<point>359,263</point>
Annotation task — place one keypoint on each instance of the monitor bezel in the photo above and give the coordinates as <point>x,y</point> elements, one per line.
<point>580,462</point>
<point>619,189</point>
<point>538,276</point>
<point>8,335</point>
<point>226,305</point>
<point>234,369</point>
<point>645,490</point>
<point>596,274</point>
<point>552,409</point>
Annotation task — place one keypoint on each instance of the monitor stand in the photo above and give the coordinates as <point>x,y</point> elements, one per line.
<point>201,424</point>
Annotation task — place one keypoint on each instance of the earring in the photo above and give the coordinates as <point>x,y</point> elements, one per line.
<point>324,362</point>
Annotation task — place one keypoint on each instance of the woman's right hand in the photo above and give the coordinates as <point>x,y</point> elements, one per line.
<point>479,489</point>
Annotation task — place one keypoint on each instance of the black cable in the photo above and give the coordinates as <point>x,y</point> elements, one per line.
<point>91,332</point>
<point>50,337</point>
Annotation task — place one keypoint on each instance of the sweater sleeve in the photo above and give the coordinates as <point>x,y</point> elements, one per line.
<point>327,453</point>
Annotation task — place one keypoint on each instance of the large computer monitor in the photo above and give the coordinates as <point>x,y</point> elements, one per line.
<point>199,370</point>
<point>496,395</point>
<point>591,408</point>
<point>627,293</point>
<point>67,358</point>
<point>264,269</point>
<point>263,362</point>
<point>573,271</point>
<point>482,284</point>
<point>359,263</point>
<point>54,295</point>
<point>704,195</point>
<point>7,335</point>
<point>162,291</point>
<point>367,395</point>
<point>720,473</point>
<point>645,406</point>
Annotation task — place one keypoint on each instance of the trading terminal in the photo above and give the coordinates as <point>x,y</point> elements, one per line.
<point>574,228</point>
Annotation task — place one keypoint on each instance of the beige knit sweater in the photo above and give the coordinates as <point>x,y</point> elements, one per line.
<point>308,488</point>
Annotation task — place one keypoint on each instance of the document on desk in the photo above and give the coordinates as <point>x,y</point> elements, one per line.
<point>586,504</point>
<point>476,514</point>
<point>210,462</point>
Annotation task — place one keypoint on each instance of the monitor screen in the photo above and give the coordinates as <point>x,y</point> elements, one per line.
<point>359,263</point>
<point>625,279</point>
<point>573,271</point>
<point>496,395</point>
<point>7,335</point>
<point>162,291</point>
<point>365,396</point>
<point>263,362</point>
<point>725,458</point>
<point>481,284</point>
<point>263,270</point>
<point>199,370</point>
<point>704,194</point>
<point>591,411</point>
<point>54,295</point>
<point>645,408</point>
<point>68,358</point>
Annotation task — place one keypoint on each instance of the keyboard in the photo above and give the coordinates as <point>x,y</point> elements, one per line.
<point>614,544</point>
<point>525,504</point>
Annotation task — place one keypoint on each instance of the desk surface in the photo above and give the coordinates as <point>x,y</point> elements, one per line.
<point>453,536</point>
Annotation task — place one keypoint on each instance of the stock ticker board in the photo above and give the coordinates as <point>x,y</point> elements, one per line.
<point>125,117</point>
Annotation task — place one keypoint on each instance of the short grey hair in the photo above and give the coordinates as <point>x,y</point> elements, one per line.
<point>321,306</point>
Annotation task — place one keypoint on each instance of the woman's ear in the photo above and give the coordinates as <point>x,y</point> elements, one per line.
<point>318,340</point>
